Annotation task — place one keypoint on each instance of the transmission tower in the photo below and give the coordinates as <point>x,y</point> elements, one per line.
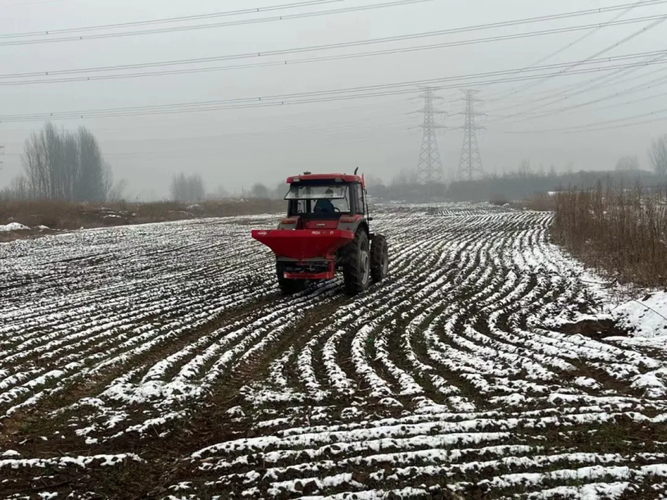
<point>429,166</point>
<point>471,160</point>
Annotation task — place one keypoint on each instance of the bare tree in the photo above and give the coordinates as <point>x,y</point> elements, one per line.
<point>279,191</point>
<point>525,169</point>
<point>627,163</point>
<point>117,191</point>
<point>259,190</point>
<point>403,178</point>
<point>94,176</point>
<point>35,165</point>
<point>372,180</point>
<point>658,155</point>
<point>220,193</point>
<point>60,165</point>
<point>17,190</point>
<point>187,188</point>
<point>552,171</point>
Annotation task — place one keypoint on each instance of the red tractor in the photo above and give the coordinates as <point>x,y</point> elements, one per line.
<point>327,228</point>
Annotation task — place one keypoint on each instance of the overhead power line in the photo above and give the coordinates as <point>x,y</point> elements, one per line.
<point>167,20</point>
<point>514,36</point>
<point>623,125</point>
<point>479,79</point>
<point>344,44</point>
<point>499,24</point>
<point>640,3</point>
<point>593,126</point>
<point>637,88</point>
<point>288,17</point>
<point>605,80</point>
<point>544,103</point>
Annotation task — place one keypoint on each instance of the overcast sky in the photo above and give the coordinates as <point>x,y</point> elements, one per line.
<point>234,148</point>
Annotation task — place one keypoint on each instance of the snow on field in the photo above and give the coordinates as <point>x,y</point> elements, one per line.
<point>646,317</point>
<point>458,377</point>
<point>13,226</point>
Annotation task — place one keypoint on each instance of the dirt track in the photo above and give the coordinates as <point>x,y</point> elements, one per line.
<point>160,360</point>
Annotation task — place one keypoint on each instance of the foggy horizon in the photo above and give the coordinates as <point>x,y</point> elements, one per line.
<point>586,121</point>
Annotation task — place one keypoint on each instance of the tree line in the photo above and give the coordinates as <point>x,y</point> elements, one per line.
<point>65,165</point>
<point>190,188</point>
<point>525,180</point>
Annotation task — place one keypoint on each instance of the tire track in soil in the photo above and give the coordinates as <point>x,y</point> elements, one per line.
<point>207,422</point>
<point>469,335</point>
<point>452,337</point>
<point>92,386</point>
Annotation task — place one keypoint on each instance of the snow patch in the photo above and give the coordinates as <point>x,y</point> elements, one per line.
<point>13,226</point>
<point>645,318</point>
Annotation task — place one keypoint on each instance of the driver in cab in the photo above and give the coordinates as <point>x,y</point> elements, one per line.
<point>324,205</point>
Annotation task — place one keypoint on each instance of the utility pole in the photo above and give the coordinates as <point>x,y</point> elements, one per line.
<point>429,166</point>
<point>471,160</point>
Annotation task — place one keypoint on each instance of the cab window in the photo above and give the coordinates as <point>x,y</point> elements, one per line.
<point>361,209</point>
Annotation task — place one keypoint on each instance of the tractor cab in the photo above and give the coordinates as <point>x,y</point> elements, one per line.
<point>321,201</point>
<point>326,228</point>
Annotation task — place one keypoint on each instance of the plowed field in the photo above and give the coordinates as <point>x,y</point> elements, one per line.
<point>160,360</point>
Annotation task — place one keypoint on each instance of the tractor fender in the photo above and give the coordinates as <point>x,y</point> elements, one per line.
<point>353,223</point>
<point>289,223</point>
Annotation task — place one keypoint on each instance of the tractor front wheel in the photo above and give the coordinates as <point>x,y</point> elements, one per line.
<point>357,264</point>
<point>379,258</point>
<point>288,286</point>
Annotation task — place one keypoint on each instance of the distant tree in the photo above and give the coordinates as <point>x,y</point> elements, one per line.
<point>404,178</point>
<point>187,188</point>
<point>259,190</point>
<point>220,193</point>
<point>627,162</point>
<point>279,191</point>
<point>17,190</point>
<point>117,191</point>
<point>552,171</point>
<point>374,181</point>
<point>658,155</point>
<point>62,165</point>
<point>525,169</point>
<point>94,174</point>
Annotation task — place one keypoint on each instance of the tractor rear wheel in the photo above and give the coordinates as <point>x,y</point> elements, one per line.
<point>288,286</point>
<point>357,264</point>
<point>379,258</point>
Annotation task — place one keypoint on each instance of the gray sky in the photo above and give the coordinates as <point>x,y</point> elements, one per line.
<point>235,148</point>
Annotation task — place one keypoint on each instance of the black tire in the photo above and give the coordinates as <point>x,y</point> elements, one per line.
<point>288,286</point>
<point>379,258</point>
<point>356,264</point>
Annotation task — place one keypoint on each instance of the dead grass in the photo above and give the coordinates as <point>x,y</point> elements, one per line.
<point>620,231</point>
<point>541,202</point>
<point>67,215</point>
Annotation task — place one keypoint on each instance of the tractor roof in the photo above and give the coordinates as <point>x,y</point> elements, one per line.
<point>326,177</point>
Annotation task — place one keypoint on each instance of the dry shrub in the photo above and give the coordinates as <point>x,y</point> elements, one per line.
<point>621,231</point>
<point>541,202</point>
